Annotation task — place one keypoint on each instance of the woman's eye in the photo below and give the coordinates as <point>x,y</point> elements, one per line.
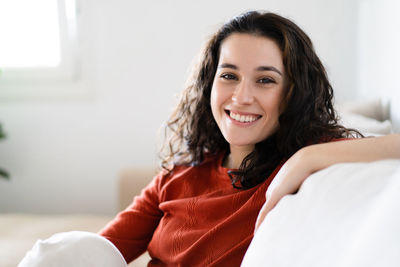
<point>228,76</point>
<point>266,80</point>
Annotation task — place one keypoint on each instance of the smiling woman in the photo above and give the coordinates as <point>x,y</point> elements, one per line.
<point>246,96</point>
<point>258,95</point>
<point>255,120</point>
<point>264,65</point>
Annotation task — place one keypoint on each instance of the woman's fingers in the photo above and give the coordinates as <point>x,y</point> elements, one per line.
<point>269,204</point>
<point>281,186</point>
<point>261,216</point>
<point>287,181</point>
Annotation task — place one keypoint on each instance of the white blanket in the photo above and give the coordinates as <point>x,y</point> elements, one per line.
<point>346,215</point>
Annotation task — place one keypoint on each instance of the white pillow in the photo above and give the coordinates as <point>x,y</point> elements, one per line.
<point>370,117</point>
<point>377,109</point>
<point>365,125</point>
<point>346,215</point>
<point>76,248</point>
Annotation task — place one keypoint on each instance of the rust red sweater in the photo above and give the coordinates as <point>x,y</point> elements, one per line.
<point>191,217</point>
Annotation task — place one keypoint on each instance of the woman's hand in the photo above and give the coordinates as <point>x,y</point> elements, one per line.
<point>316,157</point>
<point>287,181</point>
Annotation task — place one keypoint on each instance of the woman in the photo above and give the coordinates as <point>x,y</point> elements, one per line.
<point>259,98</point>
<point>254,121</point>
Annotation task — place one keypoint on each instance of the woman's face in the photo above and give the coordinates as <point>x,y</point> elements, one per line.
<point>248,89</point>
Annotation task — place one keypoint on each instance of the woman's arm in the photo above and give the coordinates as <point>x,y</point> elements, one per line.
<point>316,157</point>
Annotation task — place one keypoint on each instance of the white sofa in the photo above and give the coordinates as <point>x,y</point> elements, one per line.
<point>301,231</point>
<point>346,215</point>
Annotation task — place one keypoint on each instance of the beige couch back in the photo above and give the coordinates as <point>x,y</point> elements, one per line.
<point>131,182</point>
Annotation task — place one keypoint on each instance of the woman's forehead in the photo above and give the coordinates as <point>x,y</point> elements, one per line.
<point>250,51</point>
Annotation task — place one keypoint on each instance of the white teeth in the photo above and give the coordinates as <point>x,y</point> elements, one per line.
<point>242,118</point>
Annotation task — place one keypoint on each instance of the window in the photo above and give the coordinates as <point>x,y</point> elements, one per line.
<point>29,34</point>
<point>38,47</point>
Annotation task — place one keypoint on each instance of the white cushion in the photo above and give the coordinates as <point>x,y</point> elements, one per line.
<point>370,117</point>
<point>76,248</point>
<point>365,125</point>
<point>346,215</point>
<point>376,108</point>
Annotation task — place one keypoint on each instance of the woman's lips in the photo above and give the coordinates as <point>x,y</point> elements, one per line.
<point>242,118</point>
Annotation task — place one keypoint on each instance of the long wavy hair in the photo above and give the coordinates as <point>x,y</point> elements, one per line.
<point>308,117</point>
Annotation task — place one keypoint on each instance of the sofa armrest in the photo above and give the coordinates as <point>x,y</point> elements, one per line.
<point>131,183</point>
<point>344,215</point>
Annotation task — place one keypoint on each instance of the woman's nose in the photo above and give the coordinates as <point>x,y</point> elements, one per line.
<point>243,94</point>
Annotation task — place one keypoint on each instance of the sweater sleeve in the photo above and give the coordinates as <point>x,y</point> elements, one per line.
<point>132,229</point>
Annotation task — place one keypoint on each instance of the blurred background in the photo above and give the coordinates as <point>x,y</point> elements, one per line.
<point>85,85</point>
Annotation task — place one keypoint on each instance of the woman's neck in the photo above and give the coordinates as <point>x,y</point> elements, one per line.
<point>236,156</point>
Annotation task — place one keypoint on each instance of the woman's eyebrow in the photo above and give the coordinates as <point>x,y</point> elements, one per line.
<point>227,65</point>
<point>269,68</point>
<point>261,68</point>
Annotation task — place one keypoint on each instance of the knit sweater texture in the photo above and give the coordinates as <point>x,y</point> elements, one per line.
<point>190,217</point>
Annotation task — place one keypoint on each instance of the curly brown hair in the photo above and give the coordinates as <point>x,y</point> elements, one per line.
<point>308,116</point>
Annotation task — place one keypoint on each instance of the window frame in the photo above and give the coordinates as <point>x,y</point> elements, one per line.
<point>65,80</point>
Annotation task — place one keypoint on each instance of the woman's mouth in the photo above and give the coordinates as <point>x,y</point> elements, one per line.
<point>242,117</point>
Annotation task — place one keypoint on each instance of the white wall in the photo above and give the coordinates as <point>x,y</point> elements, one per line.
<point>379,54</point>
<point>65,155</point>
